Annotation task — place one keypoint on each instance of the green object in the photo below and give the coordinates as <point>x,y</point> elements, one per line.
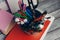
<point>27,16</point>
<point>24,12</point>
<point>19,15</point>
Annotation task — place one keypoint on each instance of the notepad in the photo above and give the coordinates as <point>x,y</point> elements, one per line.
<point>5,20</point>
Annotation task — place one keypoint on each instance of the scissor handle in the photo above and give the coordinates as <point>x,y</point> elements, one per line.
<point>31,2</point>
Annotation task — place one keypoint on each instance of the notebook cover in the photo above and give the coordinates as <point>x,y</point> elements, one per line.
<point>5,20</point>
<point>9,28</point>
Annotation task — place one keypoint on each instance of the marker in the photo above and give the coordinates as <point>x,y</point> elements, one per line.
<point>28,15</point>
<point>19,3</point>
<point>22,13</point>
<point>24,7</point>
<point>38,19</point>
<point>28,10</point>
<point>19,15</point>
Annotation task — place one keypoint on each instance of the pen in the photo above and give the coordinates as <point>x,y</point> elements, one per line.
<point>28,15</point>
<point>20,12</point>
<point>29,11</point>
<point>38,19</point>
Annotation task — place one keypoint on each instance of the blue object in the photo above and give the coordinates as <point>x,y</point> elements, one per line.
<point>28,10</point>
<point>27,13</point>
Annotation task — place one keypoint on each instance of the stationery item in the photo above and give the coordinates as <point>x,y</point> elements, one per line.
<point>38,19</point>
<point>41,17</point>
<point>22,13</point>
<point>23,8</point>
<point>22,5</point>
<point>18,34</point>
<point>5,20</point>
<point>33,7</point>
<point>41,26</point>
<point>48,17</point>
<point>20,21</point>
<point>37,14</point>
<point>19,15</point>
<point>27,13</point>
<point>31,4</point>
<point>25,20</point>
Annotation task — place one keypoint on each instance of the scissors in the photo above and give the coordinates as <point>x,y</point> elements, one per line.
<point>31,5</point>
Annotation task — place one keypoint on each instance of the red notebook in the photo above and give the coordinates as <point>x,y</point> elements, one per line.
<point>17,34</point>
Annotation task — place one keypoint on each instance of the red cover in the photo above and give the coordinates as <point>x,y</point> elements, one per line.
<point>17,34</point>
